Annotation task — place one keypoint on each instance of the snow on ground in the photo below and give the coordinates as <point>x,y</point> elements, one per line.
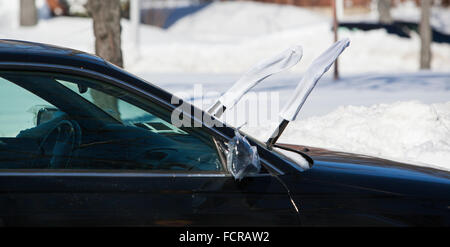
<point>228,17</point>
<point>382,105</point>
<point>407,131</point>
<point>210,42</point>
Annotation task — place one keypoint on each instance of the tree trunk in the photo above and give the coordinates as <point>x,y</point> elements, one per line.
<point>28,13</point>
<point>106,18</point>
<point>425,35</point>
<point>384,11</point>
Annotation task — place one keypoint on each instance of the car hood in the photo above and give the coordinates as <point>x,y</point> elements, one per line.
<point>362,190</point>
<point>372,173</point>
<point>321,156</point>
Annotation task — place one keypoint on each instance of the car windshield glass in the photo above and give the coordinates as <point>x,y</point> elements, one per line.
<point>124,112</point>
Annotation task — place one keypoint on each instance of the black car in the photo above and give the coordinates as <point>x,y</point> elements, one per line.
<point>84,143</point>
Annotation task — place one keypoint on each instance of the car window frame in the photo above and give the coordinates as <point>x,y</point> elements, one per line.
<point>212,140</point>
<point>217,135</point>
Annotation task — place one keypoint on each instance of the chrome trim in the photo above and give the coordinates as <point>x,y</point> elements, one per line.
<point>105,174</point>
<point>31,173</point>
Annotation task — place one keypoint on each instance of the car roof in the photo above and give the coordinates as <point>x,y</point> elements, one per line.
<point>31,52</point>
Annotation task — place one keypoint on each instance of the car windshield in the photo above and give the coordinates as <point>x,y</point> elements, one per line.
<point>124,112</point>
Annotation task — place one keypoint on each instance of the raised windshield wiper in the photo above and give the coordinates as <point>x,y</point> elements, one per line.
<point>312,75</point>
<point>255,75</point>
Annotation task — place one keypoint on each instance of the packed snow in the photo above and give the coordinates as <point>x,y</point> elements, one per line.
<point>381,106</point>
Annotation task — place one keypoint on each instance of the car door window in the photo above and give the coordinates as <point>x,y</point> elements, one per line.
<point>18,108</point>
<point>69,122</point>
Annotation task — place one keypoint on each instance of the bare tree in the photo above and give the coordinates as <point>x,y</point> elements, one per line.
<point>107,29</point>
<point>384,11</point>
<point>28,13</point>
<point>425,35</point>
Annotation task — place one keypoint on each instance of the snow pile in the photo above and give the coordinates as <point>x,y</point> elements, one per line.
<point>408,131</point>
<point>371,51</point>
<point>245,19</point>
<point>229,37</point>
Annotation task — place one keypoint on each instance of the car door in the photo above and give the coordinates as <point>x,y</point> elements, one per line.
<point>78,151</point>
<point>45,198</point>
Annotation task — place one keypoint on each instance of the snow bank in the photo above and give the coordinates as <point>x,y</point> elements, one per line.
<point>408,131</point>
<point>245,19</point>
<point>229,37</point>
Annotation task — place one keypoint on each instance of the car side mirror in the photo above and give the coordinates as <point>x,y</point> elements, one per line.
<point>45,114</point>
<point>242,158</point>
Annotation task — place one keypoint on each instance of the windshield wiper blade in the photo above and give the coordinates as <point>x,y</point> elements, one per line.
<point>312,75</point>
<point>255,75</point>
